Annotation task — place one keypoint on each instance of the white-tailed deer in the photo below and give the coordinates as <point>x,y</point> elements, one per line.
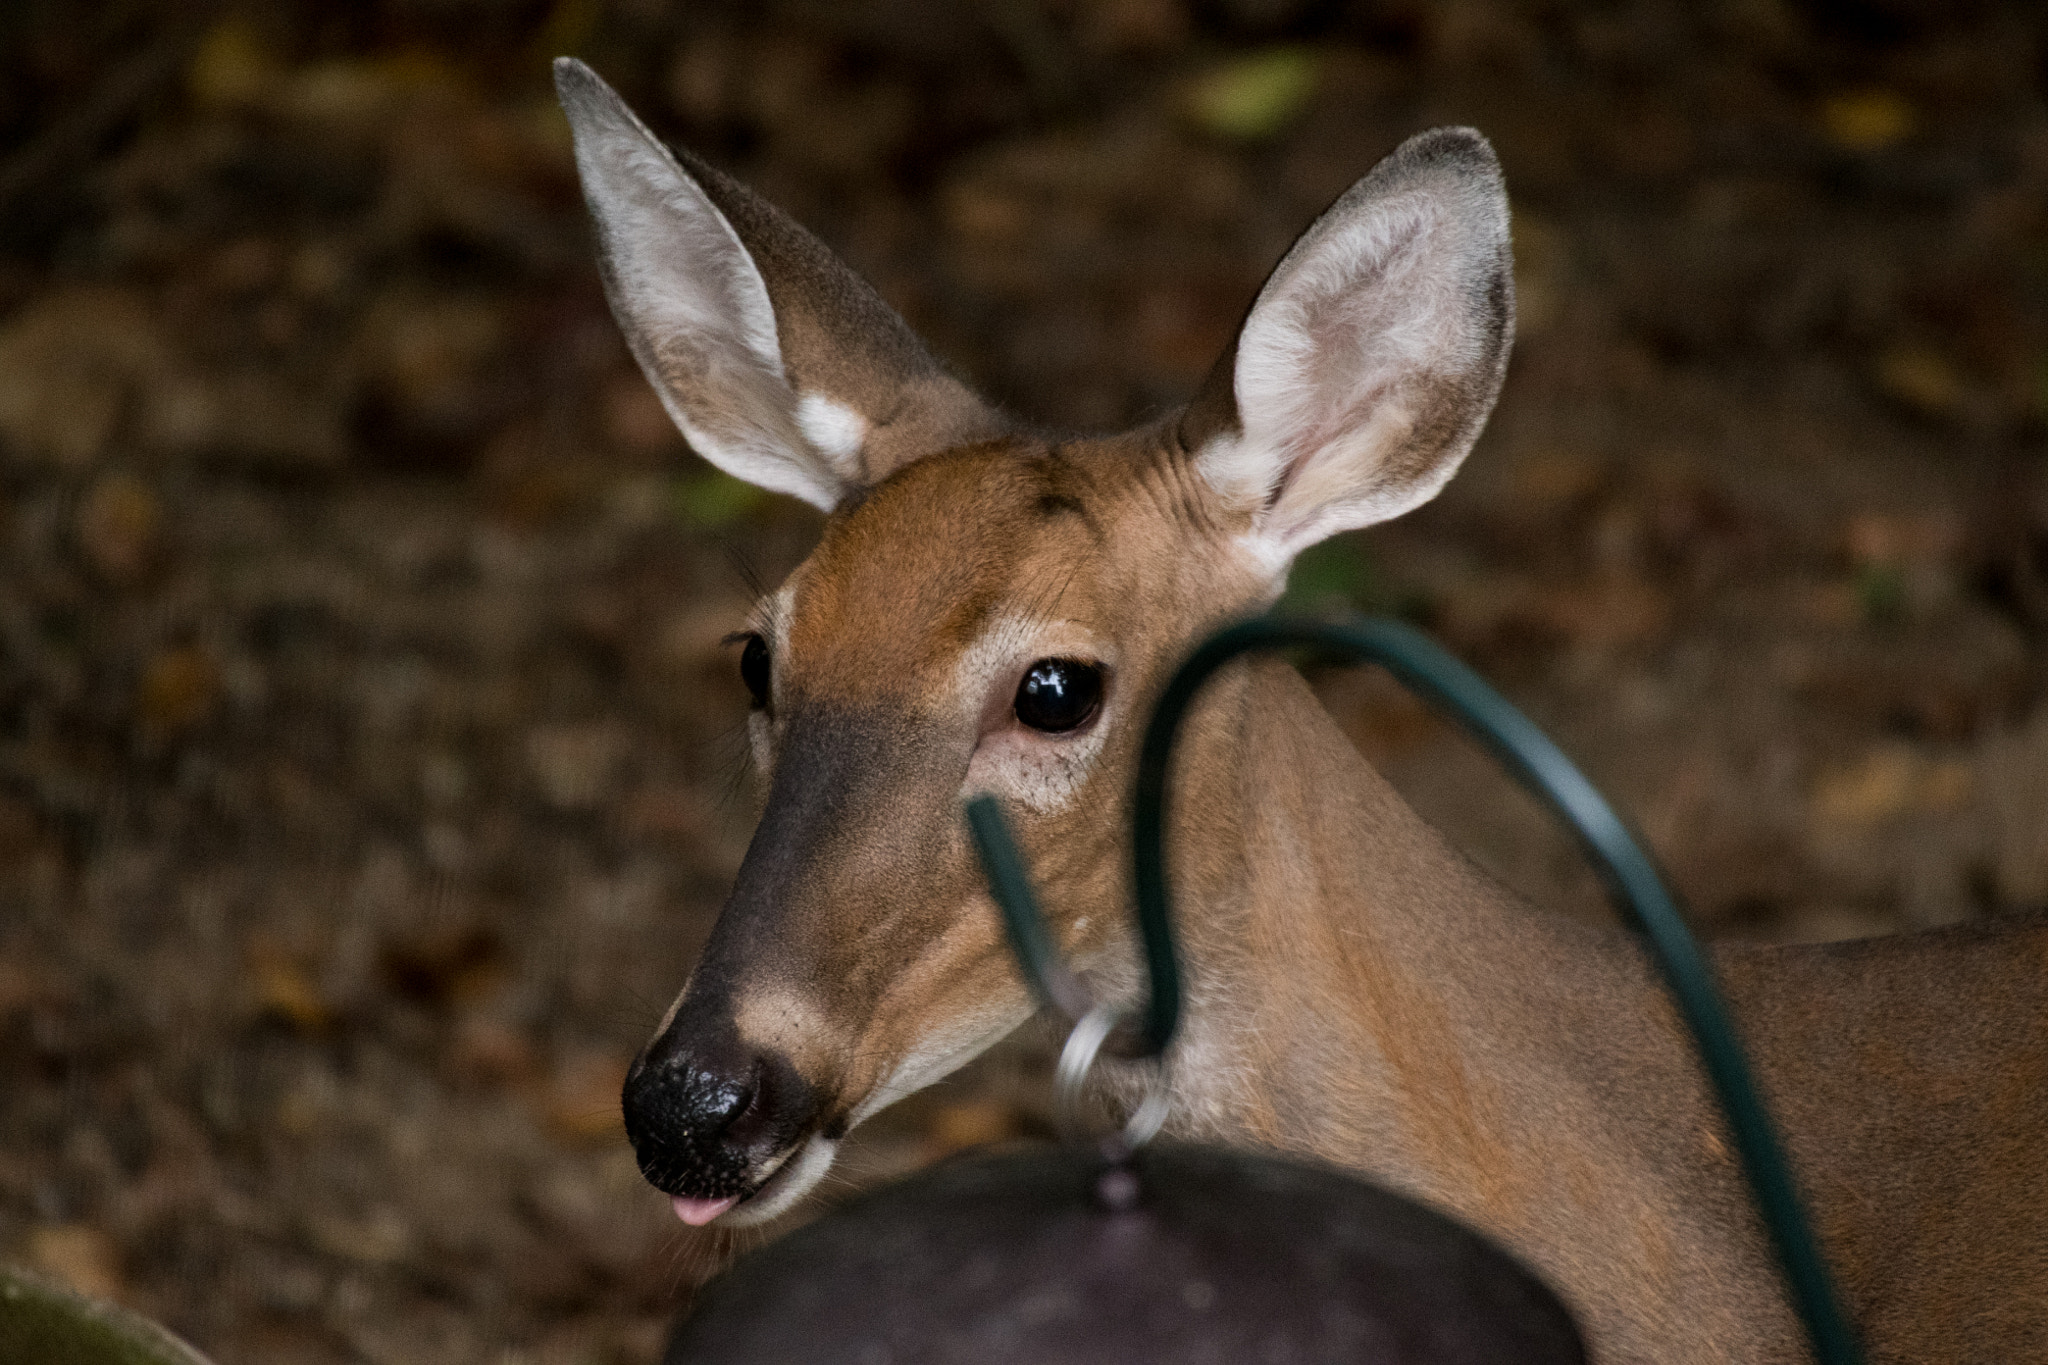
<point>992,608</point>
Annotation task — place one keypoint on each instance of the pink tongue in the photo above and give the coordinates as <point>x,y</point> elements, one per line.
<point>698,1212</point>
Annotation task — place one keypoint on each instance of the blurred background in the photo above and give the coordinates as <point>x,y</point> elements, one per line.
<point>369,762</point>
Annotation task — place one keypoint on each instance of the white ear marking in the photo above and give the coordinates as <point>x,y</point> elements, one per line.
<point>734,311</point>
<point>834,429</point>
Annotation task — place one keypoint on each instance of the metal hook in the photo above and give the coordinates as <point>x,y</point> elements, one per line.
<point>1077,1059</point>
<point>1097,1024</point>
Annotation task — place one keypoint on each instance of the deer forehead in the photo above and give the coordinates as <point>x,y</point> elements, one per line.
<point>934,579</point>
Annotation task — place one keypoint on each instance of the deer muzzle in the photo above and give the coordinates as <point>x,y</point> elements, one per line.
<point>710,1118</point>
<point>753,1061</point>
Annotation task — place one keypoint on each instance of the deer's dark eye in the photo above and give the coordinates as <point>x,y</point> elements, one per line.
<point>754,669</point>
<point>1059,694</point>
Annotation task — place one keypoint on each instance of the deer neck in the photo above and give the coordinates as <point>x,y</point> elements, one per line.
<point>1355,982</point>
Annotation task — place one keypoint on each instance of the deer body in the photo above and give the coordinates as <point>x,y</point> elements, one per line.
<point>992,609</point>
<point>1559,1105</point>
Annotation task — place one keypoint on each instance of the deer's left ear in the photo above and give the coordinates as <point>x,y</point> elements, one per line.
<point>781,365</point>
<point>1371,357</point>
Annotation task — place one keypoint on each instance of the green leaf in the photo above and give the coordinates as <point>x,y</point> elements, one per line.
<point>1337,575</point>
<point>1254,97</point>
<point>1881,592</point>
<point>714,500</point>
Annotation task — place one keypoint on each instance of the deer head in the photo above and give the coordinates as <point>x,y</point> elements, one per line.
<point>989,609</point>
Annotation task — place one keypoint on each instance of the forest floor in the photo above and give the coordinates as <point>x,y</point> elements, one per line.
<point>370,762</point>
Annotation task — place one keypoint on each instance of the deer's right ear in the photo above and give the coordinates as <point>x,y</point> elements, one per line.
<point>1371,357</point>
<point>780,364</point>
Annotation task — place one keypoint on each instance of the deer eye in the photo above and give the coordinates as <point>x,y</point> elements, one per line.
<point>1059,694</point>
<point>754,669</point>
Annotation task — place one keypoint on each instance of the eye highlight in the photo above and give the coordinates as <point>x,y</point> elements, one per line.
<point>1059,694</point>
<point>755,669</point>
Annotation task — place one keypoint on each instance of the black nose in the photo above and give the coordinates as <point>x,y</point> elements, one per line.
<point>704,1112</point>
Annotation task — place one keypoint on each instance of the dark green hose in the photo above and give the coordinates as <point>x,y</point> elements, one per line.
<point>1542,767</point>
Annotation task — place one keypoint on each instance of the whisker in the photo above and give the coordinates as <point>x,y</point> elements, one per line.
<point>742,565</point>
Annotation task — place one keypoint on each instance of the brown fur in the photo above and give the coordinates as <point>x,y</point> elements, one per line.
<point>1357,991</point>
<point>1362,994</point>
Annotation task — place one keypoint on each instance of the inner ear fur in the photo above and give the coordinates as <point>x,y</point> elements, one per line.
<point>780,363</point>
<point>1367,365</point>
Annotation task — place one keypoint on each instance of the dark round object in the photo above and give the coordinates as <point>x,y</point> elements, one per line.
<point>754,663</point>
<point>1223,1257</point>
<point>45,1323</point>
<point>1059,694</point>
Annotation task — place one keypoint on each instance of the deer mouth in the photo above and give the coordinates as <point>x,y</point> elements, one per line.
<point>727,1132</point>
<point>787,1179</point>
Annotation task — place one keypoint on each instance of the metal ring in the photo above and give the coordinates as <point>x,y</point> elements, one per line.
<point>1077,1059</point>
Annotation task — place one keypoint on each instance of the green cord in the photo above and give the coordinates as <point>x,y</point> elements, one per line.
<point>1542,767</point>
<point>1631,878</point>
<point>1049,976</point>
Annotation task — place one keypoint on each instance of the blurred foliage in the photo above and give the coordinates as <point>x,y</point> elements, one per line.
<point>1254,97</point>
<point>713,500</point>
<point>1881,590</point>
<point>367,746</point>
<point>1868,120</point>
<point>1337,575</point>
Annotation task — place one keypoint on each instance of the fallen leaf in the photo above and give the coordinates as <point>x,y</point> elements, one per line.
<point>119,526</point>
<point>284,989</point>
<point>1132,26</point>
<point>1878,787</point>
<point>1888,782</point>
<point>668,811</point>
<point>1902,537</point>
<point>70,365</point>
<point>180,689</point>
<point>18,987</point>
<point>1867,120</point>
<point>453,963</point>
<point>1550,482</point>
<point>377,1238</point>
<point>1947,784</point>
<point>1604,611</point>
<point>981,214</point>
<point>82,366</point>
<point>83,1257</point>
<point>1920,378</point>
<point>427,351</point>
<point>1830,605</point>
<point>233,67</point>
